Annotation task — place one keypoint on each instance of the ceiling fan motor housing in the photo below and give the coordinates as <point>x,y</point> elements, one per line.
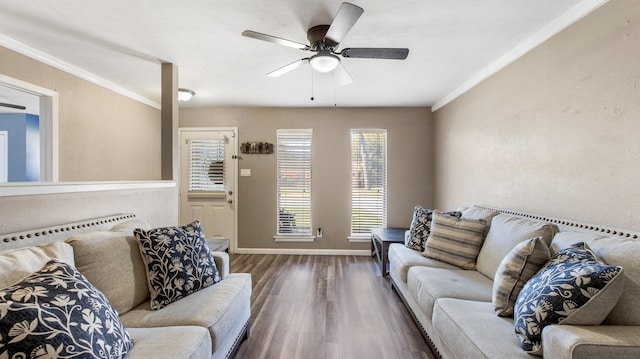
<point>316,36</point>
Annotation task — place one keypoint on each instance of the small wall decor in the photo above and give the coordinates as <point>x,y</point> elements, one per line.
<point>256,148</point>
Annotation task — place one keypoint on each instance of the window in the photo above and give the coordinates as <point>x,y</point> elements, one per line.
<point>206,166</point>
<point>294,183</point>
<point>368,180</point>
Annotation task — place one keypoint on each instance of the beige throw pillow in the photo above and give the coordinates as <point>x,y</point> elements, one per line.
<point>454,241</point>
<point>515,270</point>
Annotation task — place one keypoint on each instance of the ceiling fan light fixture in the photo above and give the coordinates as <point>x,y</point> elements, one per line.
<point>185,94</point>
<point>324,62</point>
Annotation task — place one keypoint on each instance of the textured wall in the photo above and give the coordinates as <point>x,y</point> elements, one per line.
<point>410,165</point>
<point>103,136</point>
<point>556,132</point>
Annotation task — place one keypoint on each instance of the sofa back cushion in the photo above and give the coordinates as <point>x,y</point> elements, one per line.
<point>505,233</point>
<point>18,263</point>
<point>622,252</point>
<point>111,261</point>
<point>479,214</point>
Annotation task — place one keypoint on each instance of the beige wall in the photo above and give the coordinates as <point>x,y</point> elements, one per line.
<point>409,140</point>
<point>555,133</point>
<point>158,206</point>
<point>103,136</point>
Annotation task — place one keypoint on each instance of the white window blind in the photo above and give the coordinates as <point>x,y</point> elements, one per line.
<point>294,182</point>
<point>368,180</point>
<point>206,166</point>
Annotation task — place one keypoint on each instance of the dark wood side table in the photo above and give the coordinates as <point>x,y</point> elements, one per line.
<point>381,238</point>
<point>219,245</point>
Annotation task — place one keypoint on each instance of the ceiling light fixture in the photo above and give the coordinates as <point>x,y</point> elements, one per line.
<point>324,61</point>
<point>185,94</point>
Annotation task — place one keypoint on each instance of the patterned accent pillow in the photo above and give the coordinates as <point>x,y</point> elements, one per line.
<point>455,241</point>
<point>421,227</point>
<point>524,260</point>
<point>178,261</point>
<point>56,313</point>
<point>573,288</point>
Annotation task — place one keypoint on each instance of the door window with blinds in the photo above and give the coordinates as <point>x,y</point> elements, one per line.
<point>368,180</point>
<point>206,167</point>
<point>294,183</point>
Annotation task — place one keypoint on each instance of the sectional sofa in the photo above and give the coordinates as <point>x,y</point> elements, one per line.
<point>58,262</point>
<point>529,289</point>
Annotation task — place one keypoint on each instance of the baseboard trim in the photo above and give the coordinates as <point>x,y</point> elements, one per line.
<point>321,252</point>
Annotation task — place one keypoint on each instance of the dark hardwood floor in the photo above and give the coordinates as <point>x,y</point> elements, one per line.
<point>307,306</point>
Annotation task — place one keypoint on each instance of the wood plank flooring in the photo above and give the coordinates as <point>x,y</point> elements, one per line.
<point>307,306</point>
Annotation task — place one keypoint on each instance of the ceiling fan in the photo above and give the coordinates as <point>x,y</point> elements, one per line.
<point>324,41</point>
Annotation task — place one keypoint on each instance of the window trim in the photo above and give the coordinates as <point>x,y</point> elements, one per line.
<point>365,237</point>
<point>294,237</point>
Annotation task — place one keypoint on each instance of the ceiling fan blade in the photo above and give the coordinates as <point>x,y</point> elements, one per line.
<point>292,66</point>
<point>376,53</point>
<point>342,76</point>
<point>344,20</point>
<point>275,40</point>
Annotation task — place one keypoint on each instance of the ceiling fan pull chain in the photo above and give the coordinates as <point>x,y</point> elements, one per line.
<point>312,85</point>
<point>335,89</point>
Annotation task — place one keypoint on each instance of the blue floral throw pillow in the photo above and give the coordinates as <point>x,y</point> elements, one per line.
<point>57,313</point>
<point>178,261</point>
<point>574,287</point>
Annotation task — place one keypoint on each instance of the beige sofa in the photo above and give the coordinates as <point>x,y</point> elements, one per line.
<point>454,307</point>
<point>210,323</point>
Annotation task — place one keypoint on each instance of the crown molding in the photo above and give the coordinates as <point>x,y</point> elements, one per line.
<point>45,58</point>
<point>567,19</point>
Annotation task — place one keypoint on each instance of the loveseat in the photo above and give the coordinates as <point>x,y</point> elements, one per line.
<point>457,309</point>
<point>208,323</point>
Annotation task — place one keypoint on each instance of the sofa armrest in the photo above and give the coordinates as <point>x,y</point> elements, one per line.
<point>222,263</point>
<point>597,341</point>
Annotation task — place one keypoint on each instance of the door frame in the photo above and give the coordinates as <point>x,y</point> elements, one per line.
<point>233,245</point>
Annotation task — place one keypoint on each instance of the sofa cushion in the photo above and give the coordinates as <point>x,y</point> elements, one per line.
<point>189,342</point>
<point>130,225</point>
<point>505,233</point>
<point>524,260</point>
<point>574,287</point>
<point>217,308</point>
<point>178,262</point>
<point>402,258</point>
<point>427,285</point>
<point>477,214</point>
<point>455,241</point>
<point>470,329</point>
<point>564,239</point>
<point>622,252</point>
<point>56,312</point>
<point>118,271</point>
<point>18,263</point>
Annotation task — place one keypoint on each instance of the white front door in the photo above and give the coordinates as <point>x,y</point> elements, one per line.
<point>208,182</point>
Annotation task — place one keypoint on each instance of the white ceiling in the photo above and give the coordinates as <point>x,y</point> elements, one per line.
<point>123,42</point>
